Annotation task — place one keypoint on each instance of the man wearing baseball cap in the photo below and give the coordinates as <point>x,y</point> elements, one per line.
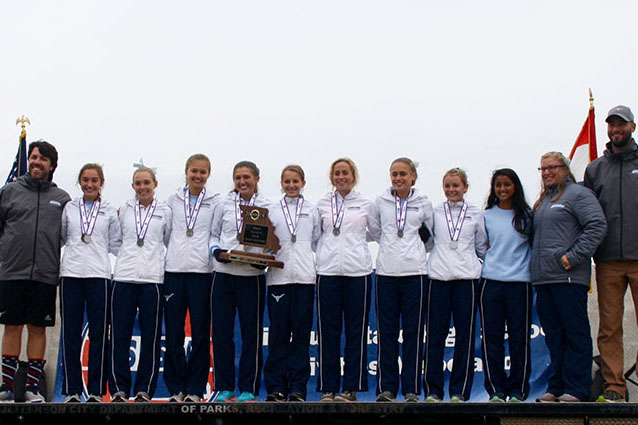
<point>614,179</point>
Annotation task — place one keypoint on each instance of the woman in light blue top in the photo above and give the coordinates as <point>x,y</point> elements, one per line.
<point>506,292</point>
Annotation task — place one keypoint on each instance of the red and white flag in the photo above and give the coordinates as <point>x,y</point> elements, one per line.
<point>584,150</point>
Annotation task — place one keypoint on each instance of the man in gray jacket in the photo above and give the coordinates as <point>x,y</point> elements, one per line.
<point>30,215</point>
<point>614,179</point>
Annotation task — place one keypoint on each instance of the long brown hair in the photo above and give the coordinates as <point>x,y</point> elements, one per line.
<point>558,156</point>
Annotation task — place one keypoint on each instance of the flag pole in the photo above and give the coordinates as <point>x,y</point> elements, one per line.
<point>591,100</point>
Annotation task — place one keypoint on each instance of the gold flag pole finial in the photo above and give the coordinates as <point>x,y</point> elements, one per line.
<point>591,99</point>
<point>23,121</point>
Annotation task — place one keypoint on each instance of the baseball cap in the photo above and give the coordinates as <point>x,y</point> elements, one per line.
<point>622,111</point>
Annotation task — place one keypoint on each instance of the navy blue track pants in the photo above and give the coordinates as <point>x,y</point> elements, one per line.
<point>502,303</point>
<point>454,299</point>
<point>244,296</point>
<point>76,296</point>
<point>400,302</point>
<point>343,299</point>
<point>126,300</point>
<point>290,310</point>
<point>187,292</point>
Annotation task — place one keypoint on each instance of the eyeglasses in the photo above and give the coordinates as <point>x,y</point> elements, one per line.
<point>551,168</point>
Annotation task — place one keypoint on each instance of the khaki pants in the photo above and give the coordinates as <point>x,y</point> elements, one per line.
<point>612,279</point>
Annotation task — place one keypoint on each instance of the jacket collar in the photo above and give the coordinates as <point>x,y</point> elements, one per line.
<point>627,155</point>
<point>35,184</point>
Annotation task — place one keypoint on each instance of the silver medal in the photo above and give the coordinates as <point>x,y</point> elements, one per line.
<point>454,244</point>
<point>86,238</point>
<point>293,238</point>
<point>400,233</point>
<point>239,237</point>
<point>140,242</point>
<point>336,231</point>
<point>189,232</point>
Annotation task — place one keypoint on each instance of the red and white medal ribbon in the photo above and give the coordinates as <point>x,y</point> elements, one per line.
<point>292,226</point>
<point>238,215</point>
<point>454,229</point>
<point>141,227</point>
<point>337,214</point>
<point>87,221</point>
<point>191,214</point>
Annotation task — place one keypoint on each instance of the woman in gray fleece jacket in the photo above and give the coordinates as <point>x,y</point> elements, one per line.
<point>569,224</point>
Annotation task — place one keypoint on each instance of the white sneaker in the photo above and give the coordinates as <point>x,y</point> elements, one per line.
<point>6,396</point>
<point>176,398</point>
<point>192,398</point>
<point>73,398</point>
<point>33,397</point>
<point>94,398</point>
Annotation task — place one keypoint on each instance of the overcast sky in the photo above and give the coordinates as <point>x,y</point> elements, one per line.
<point>474,84</point>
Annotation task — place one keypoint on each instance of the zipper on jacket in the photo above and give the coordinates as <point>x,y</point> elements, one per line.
<point>621,218</point>
<point>35,236</point>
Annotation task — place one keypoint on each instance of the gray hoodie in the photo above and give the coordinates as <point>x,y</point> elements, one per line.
<point>30,217</point>
<point>573,225</point>
<point>614,179</point>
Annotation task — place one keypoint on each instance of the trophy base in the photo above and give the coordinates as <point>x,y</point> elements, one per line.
<point>252,258</point>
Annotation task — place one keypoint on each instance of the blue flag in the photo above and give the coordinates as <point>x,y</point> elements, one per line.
<point>20,164</point>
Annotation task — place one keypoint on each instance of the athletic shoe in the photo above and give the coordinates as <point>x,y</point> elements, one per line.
<point>176,398</point>
<point>457,398</point>
<point>386,396</point>
<point>275,396</point>
<point>514,399</point>
<point>433,398</point>
<point>6,396</point>
<point>73,398</point>
<point>192,398</point>
<point>297,397</point>
<point>142,397</point>
<point>347,396</point>
<point>611,396</point>
<point>568,398</point>
<point>33,396</point>
<point>119,397</point>
<point>327,396</point>
<point>246,397</point>
<point>547,398</point>
<point>497,398</point>
<point>226,396</point>
<point>94,398</point>
<point>411,398</point>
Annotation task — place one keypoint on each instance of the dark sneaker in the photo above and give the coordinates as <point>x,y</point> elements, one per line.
<point>611,396</point>
<point>386,396</point>
<point>327,396</point>
<point>142,397</point>
<point>295,396</point>
<point>411,398</point>
<point>275,396</point>
<point>547,398</point>
<point>119,397</point>
<point>347,396</point>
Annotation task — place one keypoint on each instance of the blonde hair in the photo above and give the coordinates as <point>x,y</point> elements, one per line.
<point>197,157</point>
<point>409,163</point>
<point>353,168</point>
<point>148,170</point>
<point>452,172</point>
<point>558,156</point>
<point>295,169</point>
